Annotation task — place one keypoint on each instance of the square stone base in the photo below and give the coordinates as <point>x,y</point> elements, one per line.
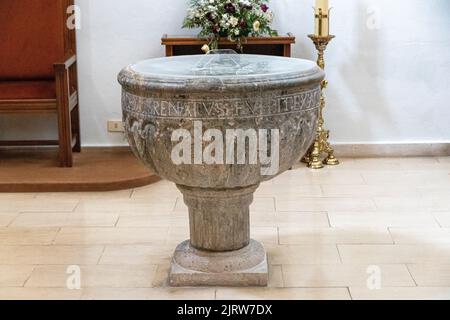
<point>255,277</point>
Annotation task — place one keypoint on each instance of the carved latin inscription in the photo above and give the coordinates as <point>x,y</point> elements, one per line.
<point>259,106</point>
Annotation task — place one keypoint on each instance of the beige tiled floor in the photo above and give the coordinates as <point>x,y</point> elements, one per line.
<point>325,233</point>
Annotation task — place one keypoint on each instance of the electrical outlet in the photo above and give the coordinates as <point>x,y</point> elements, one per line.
<point>115,126</point>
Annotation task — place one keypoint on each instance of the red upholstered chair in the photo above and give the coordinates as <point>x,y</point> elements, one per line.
<point>38,68</point>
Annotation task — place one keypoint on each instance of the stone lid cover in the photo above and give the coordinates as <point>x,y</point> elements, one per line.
<point>219,72</point>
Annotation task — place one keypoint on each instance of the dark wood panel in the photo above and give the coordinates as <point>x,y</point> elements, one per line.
<point>264,49</point>
<point>29,143</point>
<point>188,45</point>
<point>28,106</point>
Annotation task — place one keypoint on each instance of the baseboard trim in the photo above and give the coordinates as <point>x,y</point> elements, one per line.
<point>392,150</point>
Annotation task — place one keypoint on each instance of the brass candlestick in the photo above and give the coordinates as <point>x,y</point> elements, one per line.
<point>321,144</point>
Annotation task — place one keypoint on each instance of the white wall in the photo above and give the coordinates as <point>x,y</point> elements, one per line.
<point>386,85</point>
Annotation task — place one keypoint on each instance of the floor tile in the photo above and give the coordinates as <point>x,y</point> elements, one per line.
<point>64,219</point>
<point>344,275</point>
<point>283,294</point>
<point>143,221</point>
<point>420,235</point>
<point>325,204</point>
<point>39,294</point>
<point>127,206</point>
<point>110,276</point>
<point>14,276</point>
<point>395,163</point>
<point>322,230</point>
<point>300,177</point>
<point>442,190</point>
<point>443,159</point>
<point>103,236</point>
<point>403,293</point>
<point>161,278</point>
<point>334,236</point>
<point>439,203</point>
<point>382,219</point>
<point>162,188</point>
<point>369,191</point>
<point>27,236</point>
<point>66,255</point>
<point>302,254</point>
<point>443,218</point>
<point>154,192</point>
<point>263,204</point>
<point>148,294</point>
<point>413,177</point>
<point>431,275</point>
<point>275,276</point>
<point>16,197</point>
<point>266,235</point>
<point>7,217</point>
<point>288,190</point>
<point>37,205</point>
<point>51,196</point>
<point>403,204</point>
<point>387,254</point>
<point>137,254</point>
<point>288,219</point>
<point>177,235</point>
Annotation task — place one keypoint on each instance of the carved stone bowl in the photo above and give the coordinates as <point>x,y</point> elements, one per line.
<point>168,100</point>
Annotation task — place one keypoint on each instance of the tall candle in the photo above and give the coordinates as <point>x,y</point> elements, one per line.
<point>322,4</point>
<point>321,18</point>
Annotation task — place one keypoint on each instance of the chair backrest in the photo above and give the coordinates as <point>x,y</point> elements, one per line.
<point>33,36</point>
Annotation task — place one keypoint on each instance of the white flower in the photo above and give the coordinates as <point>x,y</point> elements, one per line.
<point>237,32</point>
<point>205,48</point>
<point>224,24</point>
<point>234,21</point>
<point>191,13</point>
<point>256,25</point>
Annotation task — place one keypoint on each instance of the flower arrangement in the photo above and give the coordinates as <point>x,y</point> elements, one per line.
<point>233,19</point>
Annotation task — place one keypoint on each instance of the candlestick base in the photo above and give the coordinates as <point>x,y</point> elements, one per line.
<point>331,161</point>
<point>321,144</point>
<point>313,159</point>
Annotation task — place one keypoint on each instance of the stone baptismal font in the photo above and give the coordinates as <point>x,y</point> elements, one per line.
<point>218,125</point>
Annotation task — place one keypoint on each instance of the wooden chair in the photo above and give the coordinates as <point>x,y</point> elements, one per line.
<point>38,72</point>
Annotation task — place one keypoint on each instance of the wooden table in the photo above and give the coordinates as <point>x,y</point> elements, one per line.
<point>274,46</point>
